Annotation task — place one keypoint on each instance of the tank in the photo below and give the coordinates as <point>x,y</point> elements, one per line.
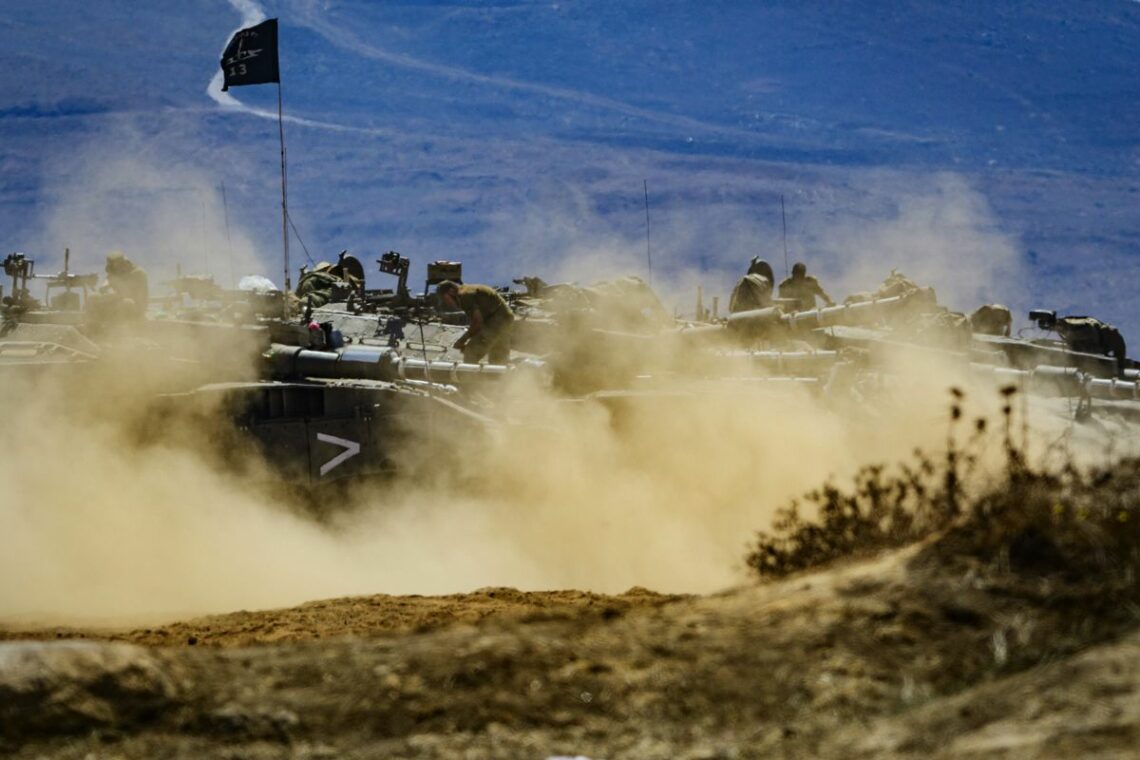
<point>326,395</point>
<point>318,408</point>
<point>323,418</point>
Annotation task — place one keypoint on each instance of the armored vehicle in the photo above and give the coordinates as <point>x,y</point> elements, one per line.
<point>318,408</point>
<point>615,338</point>
<point>1086,362</point>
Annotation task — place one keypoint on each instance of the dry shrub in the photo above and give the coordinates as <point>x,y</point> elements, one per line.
<point>1044,520</point>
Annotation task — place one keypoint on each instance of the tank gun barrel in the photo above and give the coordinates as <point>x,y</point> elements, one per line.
<point>372,363</point>
<point>1063,381</point>
<point>1043,380</point>
<point>1025,354</point>
<point>1108,388</point>
<point>754,318</point>
<point>840,314</point>
<point>845,314</point>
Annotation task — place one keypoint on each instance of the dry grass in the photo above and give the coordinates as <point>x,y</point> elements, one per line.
<point>1043,520</point>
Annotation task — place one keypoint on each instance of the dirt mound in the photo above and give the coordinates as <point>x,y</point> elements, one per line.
<point>930,620</point>
<point>918,644</point>
<point>363,616</point>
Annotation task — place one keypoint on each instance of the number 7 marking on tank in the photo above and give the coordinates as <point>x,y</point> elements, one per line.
<point>351,449</point>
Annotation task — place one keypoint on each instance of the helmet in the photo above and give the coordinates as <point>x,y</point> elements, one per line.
<point>117,261</point>
<point>799,268</point>
<point>761,267</point>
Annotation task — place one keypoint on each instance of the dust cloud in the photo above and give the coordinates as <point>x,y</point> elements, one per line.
<point>119,192</point>
<point>941,233</point>
<point>661,489</point>
<point>936,229</point>
<point>117,514</point>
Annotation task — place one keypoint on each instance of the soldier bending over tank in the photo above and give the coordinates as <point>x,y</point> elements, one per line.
<point>490,320</point>
<point>1086,334</point>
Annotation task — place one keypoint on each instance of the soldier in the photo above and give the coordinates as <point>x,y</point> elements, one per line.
<point>127,286</point>
<point>992,319</point>
<point>802,288</point>
<point>321,285</point>
<point>490,320</point>
<point>754,291</point>
<point>1091,336</point>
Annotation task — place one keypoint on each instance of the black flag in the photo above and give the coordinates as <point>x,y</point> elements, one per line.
<point>251,56</point>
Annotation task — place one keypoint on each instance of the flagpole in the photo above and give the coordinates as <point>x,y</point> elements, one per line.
<point>284,194</point>
<point>251,58</point>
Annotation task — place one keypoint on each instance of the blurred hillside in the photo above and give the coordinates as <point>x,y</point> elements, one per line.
<point>992,144</point>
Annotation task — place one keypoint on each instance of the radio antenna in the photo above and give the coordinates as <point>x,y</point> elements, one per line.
<point>648,252</point>
<point>229,244</point>
<point>784,219</point>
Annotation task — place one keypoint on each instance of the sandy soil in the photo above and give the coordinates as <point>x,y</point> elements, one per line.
<point>362,617</point>
<point>914,653</point>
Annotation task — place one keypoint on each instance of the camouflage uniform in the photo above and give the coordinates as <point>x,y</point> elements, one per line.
<point>494,340</point>
<point>326,284</point>
<point>318,287</point>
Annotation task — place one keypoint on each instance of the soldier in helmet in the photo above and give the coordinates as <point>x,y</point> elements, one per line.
<point>754,291</point>
<point>126,287</point>
<point>802,289</point>
<point>489,321</point>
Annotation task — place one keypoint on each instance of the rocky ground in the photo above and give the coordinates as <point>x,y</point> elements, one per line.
<point>931,650</point>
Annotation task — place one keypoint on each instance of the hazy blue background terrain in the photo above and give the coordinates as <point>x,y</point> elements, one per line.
<point>990,149</point>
